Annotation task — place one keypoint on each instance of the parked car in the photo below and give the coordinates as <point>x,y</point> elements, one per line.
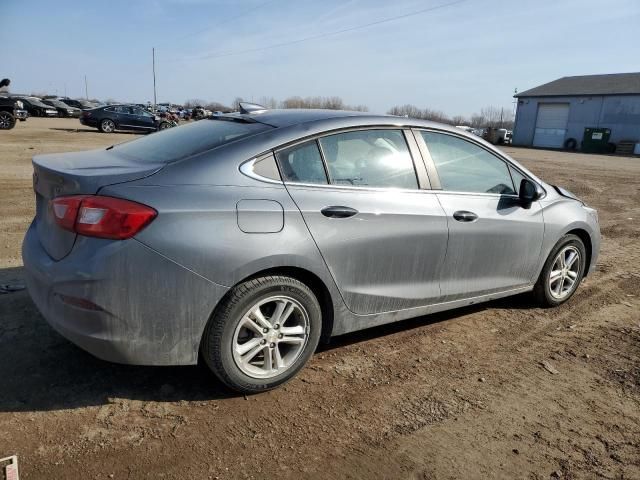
<point>245,238</point>
<point>11,109</point>
<point>36,108</point>
<point>81,104</point>
<point>122,117</point>
<point>62,108</point>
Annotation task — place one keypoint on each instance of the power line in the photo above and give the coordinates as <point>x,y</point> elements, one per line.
<point>228,20</point>
<point>328,34</point>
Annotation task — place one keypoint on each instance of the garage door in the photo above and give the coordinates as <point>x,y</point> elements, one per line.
<point>551,125</point>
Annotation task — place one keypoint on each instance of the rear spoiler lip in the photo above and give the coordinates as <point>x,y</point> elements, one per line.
<point>70,180</point>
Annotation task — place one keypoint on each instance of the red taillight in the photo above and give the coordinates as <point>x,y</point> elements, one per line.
<point>104,217</point>
<point>86,114</point>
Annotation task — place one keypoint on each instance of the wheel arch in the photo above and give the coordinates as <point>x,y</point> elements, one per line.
<point>317,286</point>
<point>311,280</point>
<point>583,235</point>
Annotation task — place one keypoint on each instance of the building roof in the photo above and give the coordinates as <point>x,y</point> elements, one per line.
<point>609,84</point>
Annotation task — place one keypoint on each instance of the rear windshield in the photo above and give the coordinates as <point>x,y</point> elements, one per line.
<point>179,142</point>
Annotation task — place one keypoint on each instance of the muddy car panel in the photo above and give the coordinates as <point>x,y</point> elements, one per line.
<point>150,297</point>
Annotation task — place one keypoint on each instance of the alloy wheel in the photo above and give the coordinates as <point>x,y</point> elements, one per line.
<point>5,121</point>
<point>564,272</point>
<point>270,337</point>
<point>108,126</point>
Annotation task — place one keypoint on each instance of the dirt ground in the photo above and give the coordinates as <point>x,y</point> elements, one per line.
<point>456,395</point>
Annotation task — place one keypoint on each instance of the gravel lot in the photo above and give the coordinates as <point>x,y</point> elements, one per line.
<point>462,394</point>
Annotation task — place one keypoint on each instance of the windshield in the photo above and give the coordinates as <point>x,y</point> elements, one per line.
<point>58,103</point>
<point>36,102</point>
<point>180,142</point>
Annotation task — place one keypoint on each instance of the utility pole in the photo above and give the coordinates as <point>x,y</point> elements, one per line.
<point>153,54</point>
<point>86,90</point>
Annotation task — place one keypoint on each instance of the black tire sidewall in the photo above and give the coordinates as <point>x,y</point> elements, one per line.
<point>543,290</point>
<point>218,339</point>
<point>12,120</point>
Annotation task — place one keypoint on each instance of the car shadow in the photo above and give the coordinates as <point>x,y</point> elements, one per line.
<point>42,371</point>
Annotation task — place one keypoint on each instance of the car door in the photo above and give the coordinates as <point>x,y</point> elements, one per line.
<point>382,236</point>
<point>494,242</point>
<point>119,114</point>
<point>141,119</point>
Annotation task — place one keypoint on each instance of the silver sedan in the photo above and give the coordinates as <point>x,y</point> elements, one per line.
<point>246,238</point>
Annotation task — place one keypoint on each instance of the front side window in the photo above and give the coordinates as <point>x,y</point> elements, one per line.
<point>465,167</point>
<point>517,178</point>
<point>371,158</point>
<point>302,164</point>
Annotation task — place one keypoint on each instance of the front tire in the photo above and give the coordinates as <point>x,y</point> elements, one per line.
<point>107,126</point>
<point>7,120</point>
<point>562,272</point>
<point>262,333</point>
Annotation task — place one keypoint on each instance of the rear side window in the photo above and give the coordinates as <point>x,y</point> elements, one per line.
<point>372,158</point>
<point>302,164</point>
<point>465,167</point>
<point>179,142</point>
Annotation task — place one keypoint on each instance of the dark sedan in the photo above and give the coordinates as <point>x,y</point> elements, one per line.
<point>81,104</point>
<point>36,108</point>
<point>63,109</point>
<point>120,117</point>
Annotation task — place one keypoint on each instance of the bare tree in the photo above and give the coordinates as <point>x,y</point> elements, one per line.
<point>414,112</point>
<point>407,110</point>
<point>194,102</point>
<point>459,120</point>
<point>269,102</point>
<point>236,103</point>
<point>497,117</point>
<point>217,107</point>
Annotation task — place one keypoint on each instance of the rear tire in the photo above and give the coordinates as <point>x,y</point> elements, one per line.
<point>252,356</point>
<point>562,272</point>
<point>7,120</point>
<point>107,126</point>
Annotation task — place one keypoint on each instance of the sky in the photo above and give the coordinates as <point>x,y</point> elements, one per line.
<point>455,56</point>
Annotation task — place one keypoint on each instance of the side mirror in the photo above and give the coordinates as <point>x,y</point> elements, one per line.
<point>528,192</point>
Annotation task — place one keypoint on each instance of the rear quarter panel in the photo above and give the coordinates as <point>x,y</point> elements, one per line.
<point>197,227</point>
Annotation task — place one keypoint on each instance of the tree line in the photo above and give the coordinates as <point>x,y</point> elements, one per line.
<point>488,117</point>
<point>327,103</point>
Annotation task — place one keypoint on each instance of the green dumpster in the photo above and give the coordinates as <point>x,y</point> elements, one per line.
<point>596,140</point>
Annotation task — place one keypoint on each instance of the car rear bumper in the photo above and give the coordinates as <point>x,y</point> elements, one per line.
<point>89,122</point>
<point>120,300</point>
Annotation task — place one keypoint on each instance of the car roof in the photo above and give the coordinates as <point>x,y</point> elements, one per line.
<point>304,119</point>
<point>294,116</point>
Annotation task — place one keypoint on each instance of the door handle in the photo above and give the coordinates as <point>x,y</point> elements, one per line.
<point>338,212</point>
<point>464,216</point>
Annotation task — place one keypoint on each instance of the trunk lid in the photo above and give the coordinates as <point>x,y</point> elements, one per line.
<point>77,173</point>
